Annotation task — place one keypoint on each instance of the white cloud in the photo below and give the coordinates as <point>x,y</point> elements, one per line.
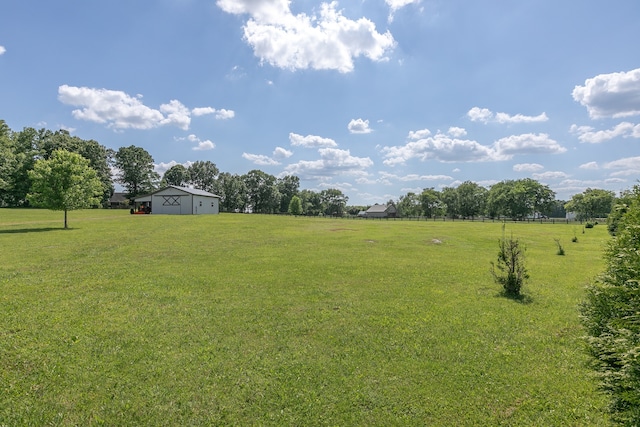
<point>162,167</point>
<point>204,145</point>
<point>359,126</point>
<point>457,132</point>
<point>326,40</point>
<point>120,110</point>
<point>589,166</point>
<point>176,114</point>
<point>282,153</point>
<point>333,161</point>
<point>419,134</point>
<point>218,114</point>
<point>260,159</point>
<point>2,50</point>
<point>590,135</point>
<point>629,166</point>
<point>477,114</point>
<point>311,141</point>
<point>527,167</point>
<point>610,95</point>
<point>394,5</point>
<point>440,147</point>
<point>550,175</point>
<point>485,115</point>
<point>528,143</point>
<point>415,177</point>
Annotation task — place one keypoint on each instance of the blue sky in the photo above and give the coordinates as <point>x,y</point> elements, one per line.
<point>374,97</point>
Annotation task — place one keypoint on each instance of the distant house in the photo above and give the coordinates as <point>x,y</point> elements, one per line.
<point>174,200</point>
<point>118,201</point>
<point>381,211</point>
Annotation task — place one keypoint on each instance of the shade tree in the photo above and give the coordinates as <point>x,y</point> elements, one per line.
<point>135,170</point>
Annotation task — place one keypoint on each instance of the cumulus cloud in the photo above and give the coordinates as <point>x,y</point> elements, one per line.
<point>120,110</point>
<point>527,167</point>
<point>2,50</point>
<point>589,166</point>
<point>610,95</point>
<point>457,132</point>
<point>162,167</point>
<point>332,162</point>
<point>359,126</point>
<point>415,177</point>
<point>528,143</point>
<point>260,159</point>
<point>590,135</point>
<point>323,41</point>
<point>394,5</point>
<point>484,115</point>
<point>282,153</point>
<point>419,134</point>
<point>440,147</point>
<point>629,166</point>
<point>445,148</point>
<point>311,141</point>
<point>550,175</point>
<point>218,114</point>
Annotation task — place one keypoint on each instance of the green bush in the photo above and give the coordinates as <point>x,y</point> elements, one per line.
<point>611,316</point>
<point>589,225</point>
<point>510,270</point>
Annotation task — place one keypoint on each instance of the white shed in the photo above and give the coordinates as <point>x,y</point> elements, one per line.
<point>174,200</point>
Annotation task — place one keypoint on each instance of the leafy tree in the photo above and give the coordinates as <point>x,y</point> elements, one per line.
<point>295,206</point>
<point>334,201</point>
<point>135,170</point>
<point>204,175</point>
<point>7,161</point>
<point>100,157</point>
<point>23,148</point>
<point>621,207</point>
<point>518,199</point>
<point>471,199</point>
<point>409,205</point>
<point>262,192</point>
<point>176,175</point>
<point>449,198</point>
<point>64,182</point>
<point>431,202</point>
<point>288,186</point>
<point>611,316</point>
<point>311,202</point>
<point>232,190</point>
<point>592,203</point>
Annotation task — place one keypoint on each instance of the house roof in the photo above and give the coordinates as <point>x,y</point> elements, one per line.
<point>194,191</point>
<point>377,209</point>
<point>118,197</point>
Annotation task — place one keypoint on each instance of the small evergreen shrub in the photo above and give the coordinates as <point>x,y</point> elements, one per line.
<point>510,271</point>
<point>560,250</point>
<point>589,225</point>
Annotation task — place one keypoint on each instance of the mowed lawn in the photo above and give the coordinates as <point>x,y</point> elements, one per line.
<point>238,319</point>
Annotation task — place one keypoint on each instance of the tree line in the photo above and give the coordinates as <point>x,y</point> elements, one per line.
<point>256,190</point>
<point>261,192</point>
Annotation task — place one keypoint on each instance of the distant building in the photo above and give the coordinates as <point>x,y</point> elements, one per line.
<point>381,211</point>
<point>118,201</point>
<point>174,200</point>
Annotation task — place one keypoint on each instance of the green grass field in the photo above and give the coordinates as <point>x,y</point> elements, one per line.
<point>271,320</point>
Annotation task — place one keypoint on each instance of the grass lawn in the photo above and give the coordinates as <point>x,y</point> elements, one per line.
<point>271,320</point>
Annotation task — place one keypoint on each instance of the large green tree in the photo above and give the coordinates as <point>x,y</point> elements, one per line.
<point>176,175</point>
<point>519,199</point>
<point>311,202</point>
<point>203,174</point>
<point>288,186</point>
<point>591,203</point>
<point>430,200</point>
<point>471,199</point>
<point>334,201</point>
<point>100,158</point>
<point>262,191</point>
<point>611,316</point>
<point>64,182</point>
<point>233,192</point>
<point>135,170</point>
<point>409,205</point>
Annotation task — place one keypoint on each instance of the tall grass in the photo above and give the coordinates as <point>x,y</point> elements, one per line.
<point>263,320</point>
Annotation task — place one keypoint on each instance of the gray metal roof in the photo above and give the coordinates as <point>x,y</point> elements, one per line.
<point>377,208</point>
<point>194,191</point>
